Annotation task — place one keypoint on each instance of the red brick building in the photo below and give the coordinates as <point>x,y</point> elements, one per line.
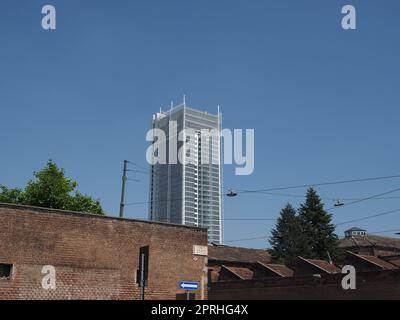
<point>94,257</point>
<point>370,285</point>
<point>311,279</point>
<point>226,263</point>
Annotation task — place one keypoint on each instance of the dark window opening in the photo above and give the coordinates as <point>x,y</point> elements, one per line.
<point>5,270</point>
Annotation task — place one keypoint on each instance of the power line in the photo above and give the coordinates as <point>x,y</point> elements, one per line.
<point>385,231</point>
<point>365,199</point>
<point>368,217</point>
<point>354,200</point>
<point>266,191</point>
<point>251,219</point>
<point>318,184</point>
<point>377,196</point>
<point>148,202</point>
<point>274,219</point>
<point>323,197</point>
<point>247,239</point>
<point>330,209</point>
<point>137,165</point>
<point>339,224</point>
<point>267,237</point>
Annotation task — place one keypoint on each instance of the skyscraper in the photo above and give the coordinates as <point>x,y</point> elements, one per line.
<point>188,191</point>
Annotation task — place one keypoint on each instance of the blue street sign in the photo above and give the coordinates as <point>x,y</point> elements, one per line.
<point>191,286</point>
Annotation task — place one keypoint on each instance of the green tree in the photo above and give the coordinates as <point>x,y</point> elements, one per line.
<point>52,189</point>
<point>14,196</point>
<point>287,240</point>
<point>317,227</point>
<point>84,203</point>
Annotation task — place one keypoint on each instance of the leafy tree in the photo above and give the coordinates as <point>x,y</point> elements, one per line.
<point>317,227</point>
<point>287,240</point>
<point>14,196</point>
<point>51,189</point>
<point>84,203</point>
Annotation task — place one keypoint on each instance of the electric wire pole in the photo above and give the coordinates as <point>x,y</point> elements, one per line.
<point>122,205</point>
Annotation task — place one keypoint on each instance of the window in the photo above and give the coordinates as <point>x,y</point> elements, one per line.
<point>5,271</point>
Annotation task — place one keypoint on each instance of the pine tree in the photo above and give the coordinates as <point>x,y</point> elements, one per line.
<point>287,239</point>
<point>317,228</point>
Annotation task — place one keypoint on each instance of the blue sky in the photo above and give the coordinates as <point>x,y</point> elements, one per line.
<point>324,102</point>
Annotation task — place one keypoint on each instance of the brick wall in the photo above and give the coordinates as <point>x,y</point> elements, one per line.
<point>370,285</point>
<point>95,257</point>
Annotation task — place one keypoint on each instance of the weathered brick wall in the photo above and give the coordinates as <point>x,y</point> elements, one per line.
<point>370,285</point>
<point>95,257</point>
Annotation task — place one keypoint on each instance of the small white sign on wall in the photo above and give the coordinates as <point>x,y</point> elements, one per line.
<point>200,251</point>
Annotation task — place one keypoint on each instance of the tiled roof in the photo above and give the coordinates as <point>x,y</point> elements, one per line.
<point>369,241</point>
<point>375,260</point>
<point>227,253</point>
<point>394,260</point>
<point>242,273</point>
<point>323,265</point>
<point>279,269</point>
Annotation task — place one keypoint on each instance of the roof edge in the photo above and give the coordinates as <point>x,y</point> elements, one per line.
<point>232,272</point>
<point>91,215</point>
<point>362,257</point>
<point>315,265</point>
<point>268,266</point>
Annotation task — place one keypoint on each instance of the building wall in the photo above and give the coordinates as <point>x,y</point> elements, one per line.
<point>304,268</point>
<point>360,263</point>
<point>166,180</point>
<point>95,257</point>
<point>370,285</point>
<point>219,274</point>
<point>189,194</point>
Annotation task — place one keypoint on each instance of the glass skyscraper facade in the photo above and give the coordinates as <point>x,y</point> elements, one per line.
<point>188,191</point>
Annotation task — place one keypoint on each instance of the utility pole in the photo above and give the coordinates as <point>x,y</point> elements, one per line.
<point>122,205</point>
